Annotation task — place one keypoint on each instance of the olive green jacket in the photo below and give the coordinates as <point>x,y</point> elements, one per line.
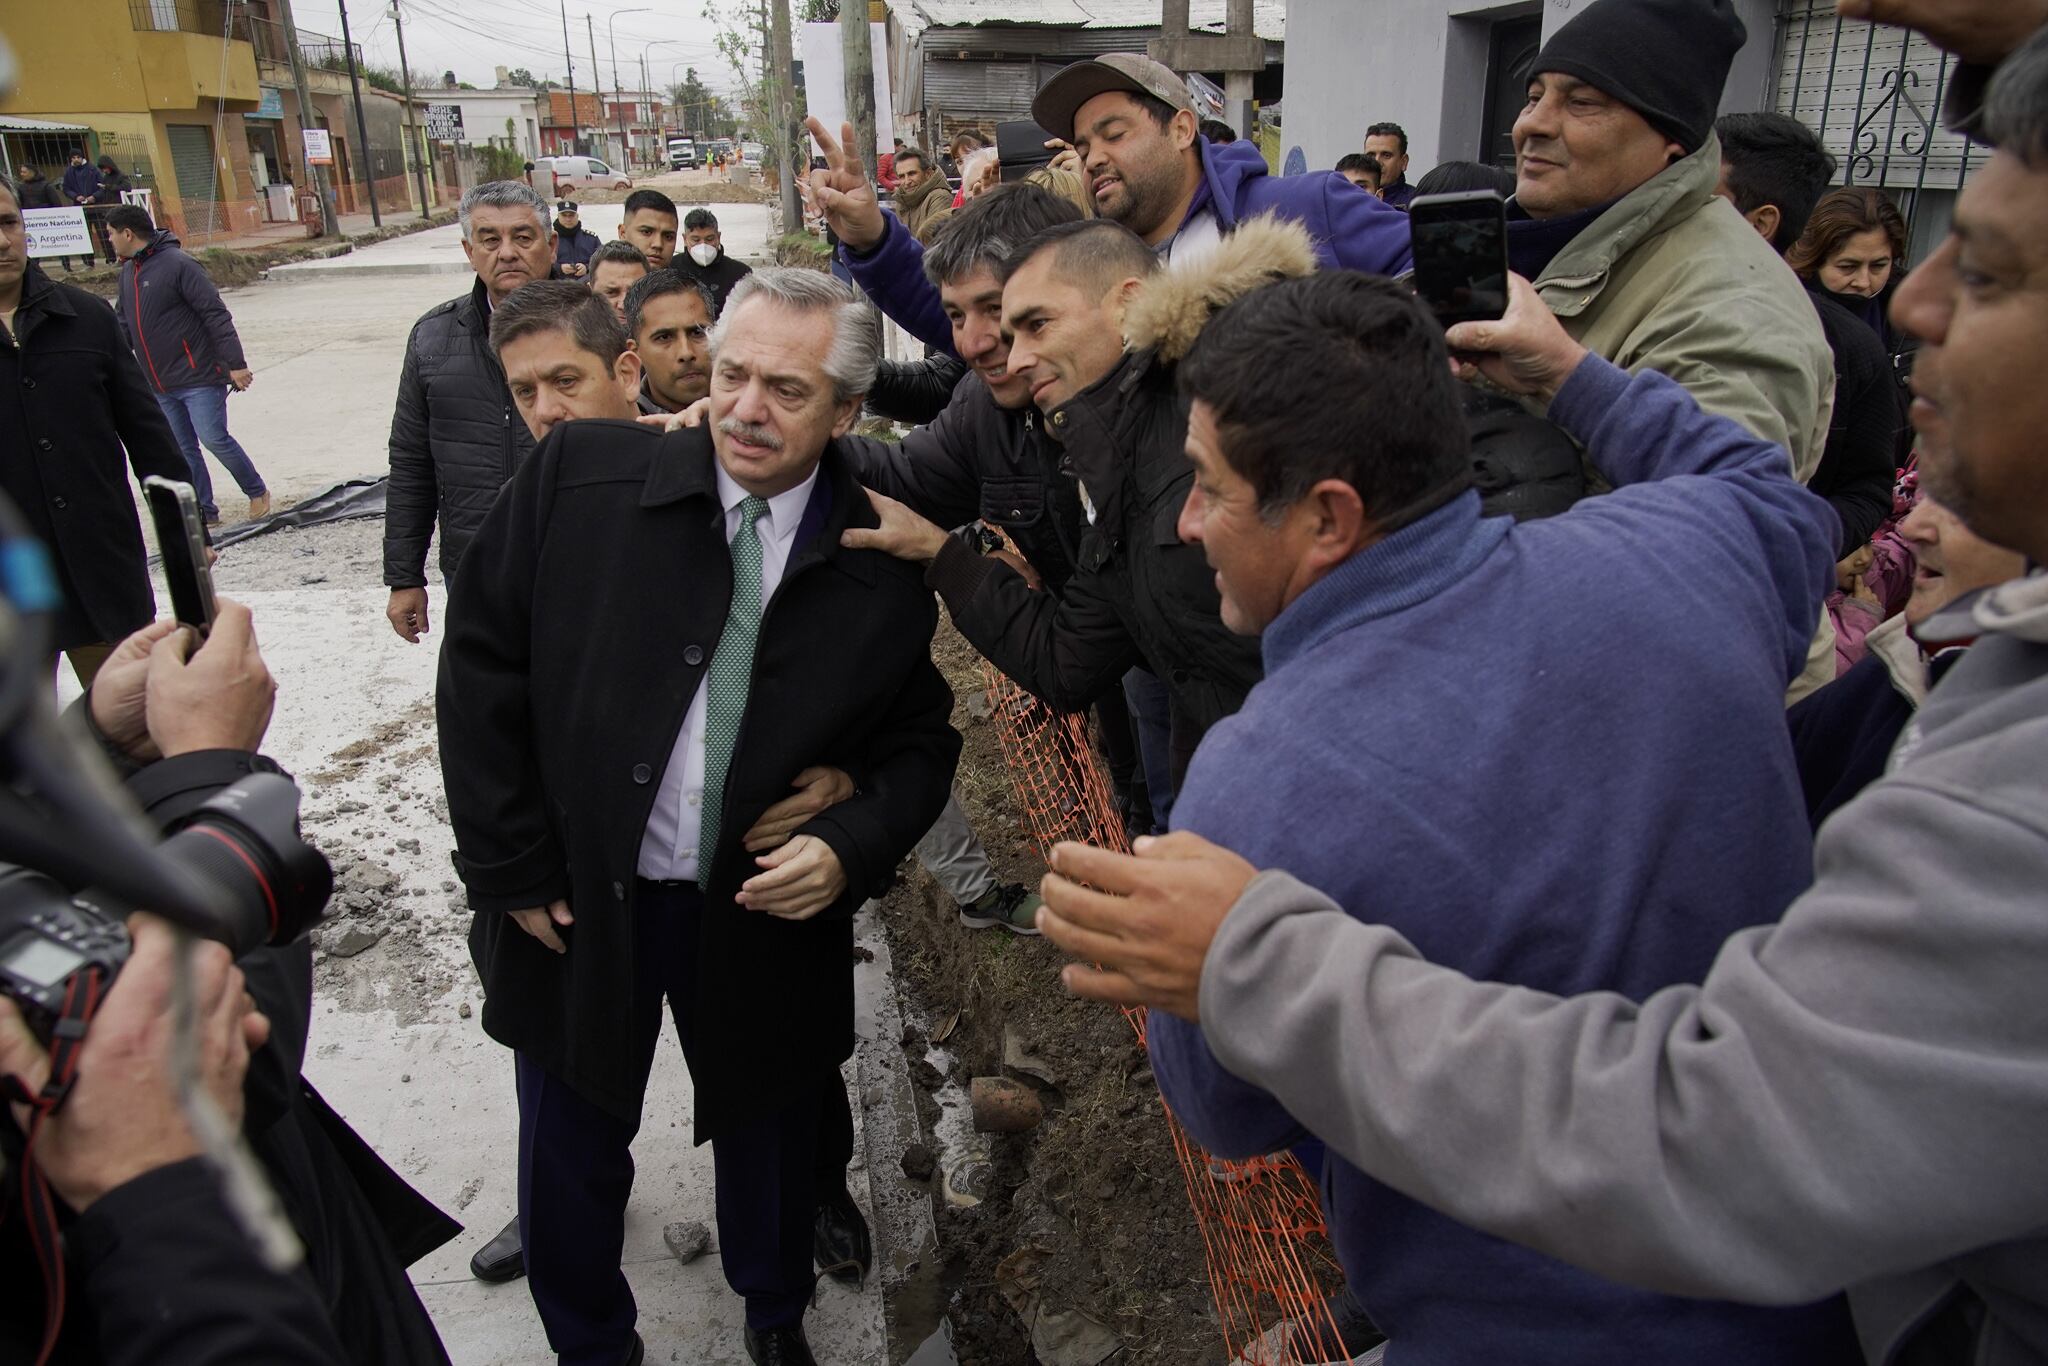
<point>1673,279</point>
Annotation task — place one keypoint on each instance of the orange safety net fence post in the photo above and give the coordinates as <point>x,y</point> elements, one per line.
<point>1270,1264</point>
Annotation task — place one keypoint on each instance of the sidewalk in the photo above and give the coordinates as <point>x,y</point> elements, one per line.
<point>352,225</point>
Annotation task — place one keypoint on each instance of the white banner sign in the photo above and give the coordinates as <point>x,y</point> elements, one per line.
<point>319,147</point>
<point>825,82</point>
<point>57,232</point>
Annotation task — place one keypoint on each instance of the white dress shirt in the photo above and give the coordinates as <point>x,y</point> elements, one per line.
<point>668,848</point>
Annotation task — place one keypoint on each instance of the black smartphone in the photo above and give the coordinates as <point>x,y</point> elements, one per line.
<point>1021,149</point>
<point>181,536</point>
<point>1460,243</point>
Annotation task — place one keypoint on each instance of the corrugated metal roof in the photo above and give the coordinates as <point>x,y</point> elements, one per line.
<point>9,123</point>
<point>1269,17</point>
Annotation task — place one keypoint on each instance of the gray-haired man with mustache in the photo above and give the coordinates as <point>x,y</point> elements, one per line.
<point>630,689</point>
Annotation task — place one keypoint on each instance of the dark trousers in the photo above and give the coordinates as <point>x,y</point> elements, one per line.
<point>576,1169</point>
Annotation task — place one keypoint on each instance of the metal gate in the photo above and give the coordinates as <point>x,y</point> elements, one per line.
<point>192,164</point>
<point>1874,93</point>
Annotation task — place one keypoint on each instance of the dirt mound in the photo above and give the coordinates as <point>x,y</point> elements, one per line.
<point>1090,1209</point>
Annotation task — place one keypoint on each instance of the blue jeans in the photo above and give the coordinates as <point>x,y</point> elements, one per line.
<point>1151,718</point>
<point>201,414</point>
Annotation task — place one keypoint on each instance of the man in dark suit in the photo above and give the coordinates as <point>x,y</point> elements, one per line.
<point>661,634</point>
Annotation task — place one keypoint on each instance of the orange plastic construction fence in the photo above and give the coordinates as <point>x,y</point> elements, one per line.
<point>1271,1268</point>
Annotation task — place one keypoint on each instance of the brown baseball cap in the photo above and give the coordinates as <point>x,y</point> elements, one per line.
<point>1060,98</point>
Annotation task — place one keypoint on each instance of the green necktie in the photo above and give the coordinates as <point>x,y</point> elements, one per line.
<point>732,666</point>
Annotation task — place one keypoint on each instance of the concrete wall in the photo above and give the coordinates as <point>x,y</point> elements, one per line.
<point>1423,64</point>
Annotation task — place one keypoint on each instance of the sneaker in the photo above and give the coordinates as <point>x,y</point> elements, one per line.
<point>1009,904</point>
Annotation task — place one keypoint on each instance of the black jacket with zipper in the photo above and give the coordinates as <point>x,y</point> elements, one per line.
<point>179,328</point>
<point>455,439</point>
<point>980,462</point>
<point>577,637</point>
<point>1138,594</point>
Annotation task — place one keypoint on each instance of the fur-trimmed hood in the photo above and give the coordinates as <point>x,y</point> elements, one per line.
<point>1173,307</point>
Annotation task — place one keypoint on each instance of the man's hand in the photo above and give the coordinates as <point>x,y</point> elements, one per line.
<point>1065,158</point>
<point>1982,31</point>
<point>218,698</point>
<point>902,533</point>
<point>1526,352</point>
<point>407,613</point>
<point>122,1118</point>
<point>843,191</point>
<point>241,379</point>
<point>575,270</point>
<point>803,878</point>
<point>118,698</point>
<point>692,416</point>
<point>540,922</point>
<point>1146,921</point>
<point>817,788</point>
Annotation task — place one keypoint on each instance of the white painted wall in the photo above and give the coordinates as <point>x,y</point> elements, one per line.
<point>1352,63</point>
<point>484,113</point>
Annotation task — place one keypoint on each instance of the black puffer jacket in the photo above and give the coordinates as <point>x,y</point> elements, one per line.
<point>1138,593</point>
<point>977,461</point>
<point>455,439</point>
<point>915,392</point>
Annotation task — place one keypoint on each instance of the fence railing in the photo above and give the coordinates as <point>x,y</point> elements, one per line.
<point>1874,94</point>
<point>187,16</point>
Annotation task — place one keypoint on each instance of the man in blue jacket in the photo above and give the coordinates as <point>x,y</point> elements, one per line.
<point>1147,166</point>
<point>185,338</point>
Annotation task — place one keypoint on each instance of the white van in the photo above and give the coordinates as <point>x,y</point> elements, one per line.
<point>554,176</point>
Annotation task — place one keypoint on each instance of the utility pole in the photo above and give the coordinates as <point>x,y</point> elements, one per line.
<point>596,75</point>
<point>355,85</point>
<point>330,226</point>
<point>856,54</point>
<point>611,34</point>
<point>782,112</point>
<point>575,129</point>
<point>412,118</point>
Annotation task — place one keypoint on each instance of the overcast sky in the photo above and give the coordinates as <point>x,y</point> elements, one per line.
<point>473,39</point>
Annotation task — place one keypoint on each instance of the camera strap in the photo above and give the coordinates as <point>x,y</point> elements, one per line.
<point>67,1036</point>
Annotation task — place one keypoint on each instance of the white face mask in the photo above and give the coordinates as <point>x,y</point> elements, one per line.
<point>704,253</point>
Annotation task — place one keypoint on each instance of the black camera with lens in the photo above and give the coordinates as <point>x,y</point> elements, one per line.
<point>244,844</point>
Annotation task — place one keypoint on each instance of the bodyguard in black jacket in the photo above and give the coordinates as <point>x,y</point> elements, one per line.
<point>72,399</point>
<point>454,437</point>
<point>577,706</point>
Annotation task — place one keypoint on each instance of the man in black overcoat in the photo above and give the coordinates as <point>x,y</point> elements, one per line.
<point>655,635</point>
<point>73,400</point>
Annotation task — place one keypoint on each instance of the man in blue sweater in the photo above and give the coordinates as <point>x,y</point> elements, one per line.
<point>1556,749</point>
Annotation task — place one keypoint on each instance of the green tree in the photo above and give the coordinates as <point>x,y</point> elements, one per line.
<point>699,109</point>
<point>519,75</point>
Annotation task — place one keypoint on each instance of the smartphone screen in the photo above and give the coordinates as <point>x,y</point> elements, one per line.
<point>181,536</point>
<point>1460,243</point>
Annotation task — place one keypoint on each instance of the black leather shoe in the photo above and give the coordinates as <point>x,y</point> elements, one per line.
<point>840,1242</point>
<point>501,1259</point>
<point>780,1347</point>
<point>637,1353</point>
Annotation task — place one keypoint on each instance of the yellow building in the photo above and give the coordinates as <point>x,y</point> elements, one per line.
<point>194,100</point>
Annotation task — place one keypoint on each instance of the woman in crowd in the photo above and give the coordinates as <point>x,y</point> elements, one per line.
<point>1853,251</point>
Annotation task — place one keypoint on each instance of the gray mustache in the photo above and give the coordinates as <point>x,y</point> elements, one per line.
<point>749,433</point>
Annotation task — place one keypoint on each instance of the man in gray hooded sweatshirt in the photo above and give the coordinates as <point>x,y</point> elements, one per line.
<point>1855,1097</point>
